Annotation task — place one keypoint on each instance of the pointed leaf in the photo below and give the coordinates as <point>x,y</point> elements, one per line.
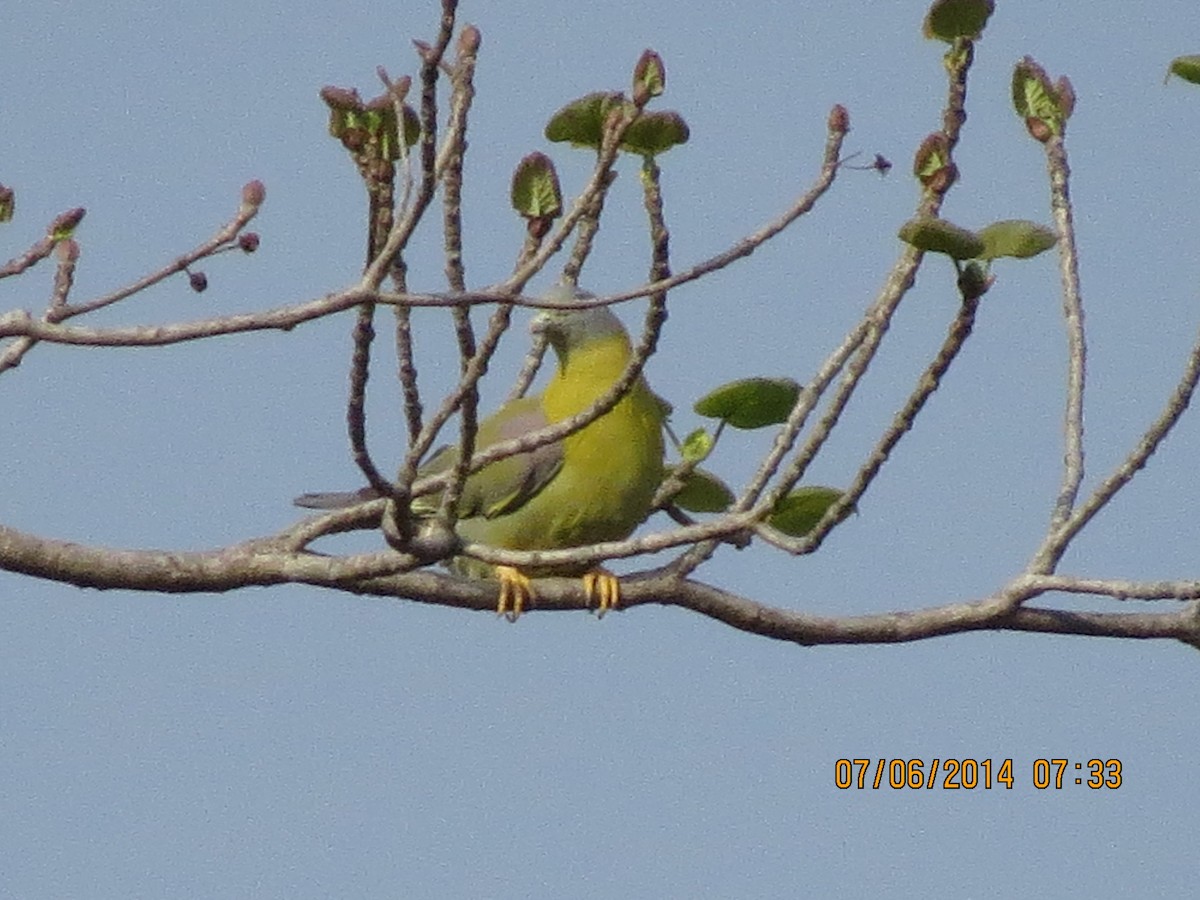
<point>750,402</point>
<point>1185,67</point>
<point>951,19</point>
<point>581,122</point>
<point>703,492</point>
<point>697,445</point>
<point>1018,238</point>
<point>649,76</point>
<point>799,511</point>
<point>935,235</point>
<point>535,190</point>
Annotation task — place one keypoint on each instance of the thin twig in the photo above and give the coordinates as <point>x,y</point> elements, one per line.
<point>1068,259</point>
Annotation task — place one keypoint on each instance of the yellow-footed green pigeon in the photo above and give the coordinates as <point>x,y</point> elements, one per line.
<point>596,485</point>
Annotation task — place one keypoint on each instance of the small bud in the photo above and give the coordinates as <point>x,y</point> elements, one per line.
<point>974,281</point>
<point>7,203</point>
<point>839,119</point>
<point>198,281</point>
<point>397,89</point>
<point>64,223</point>
<point>248,241</point>
<point>931,162</point>
<point>649,77</point>
<point>424,50</point>
<point>341,98</point>
<point>942,179</point>
<point>538,227</point>
<point>1038,129</point>
<point>882,165</point>
<point>1066,95</point>
<point>468,41</point>
<point>253,194</point>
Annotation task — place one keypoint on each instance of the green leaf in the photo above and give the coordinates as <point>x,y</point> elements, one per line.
<point>798,512</point>
<point>1045,107</point>
<point>412,126</point>
<point>1018,238</point>
<point>750,402</point>
<point>932,164</point>
<point>536,193</point>
<point>8,203</point>
<point>703,492</point>
<point>951,19</point>
<point>697,445</point>
<point>649,75</point>
<point>581,122</point>
<point>1185,67</point>
<point>655,132</point>
<point>935,235</point>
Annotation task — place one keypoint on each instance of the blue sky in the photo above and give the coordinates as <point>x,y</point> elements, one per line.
<point>289,742</point>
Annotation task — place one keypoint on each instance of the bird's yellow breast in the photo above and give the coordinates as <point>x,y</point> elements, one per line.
<point>611,468</point>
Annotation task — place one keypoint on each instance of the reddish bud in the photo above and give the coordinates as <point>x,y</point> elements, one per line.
<point>839,119</point>
<point>253,194</point>
<point>1038,129</point>
<point>198,281</point>
<point>468,41</point>
<point>341,98</point>
<point>248,241</point>
<point>64,223</point>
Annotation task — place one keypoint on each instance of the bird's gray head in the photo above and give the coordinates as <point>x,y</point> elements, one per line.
<point>566,327</point>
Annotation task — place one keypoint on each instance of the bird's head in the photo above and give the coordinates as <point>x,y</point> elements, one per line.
<point>568,328</point>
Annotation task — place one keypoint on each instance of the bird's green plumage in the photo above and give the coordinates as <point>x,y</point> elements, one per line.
<point>594,485</point>
<point>608,471</point>
<point>605,474</point>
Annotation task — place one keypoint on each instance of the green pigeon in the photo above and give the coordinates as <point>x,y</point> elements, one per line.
<point>595,485</point>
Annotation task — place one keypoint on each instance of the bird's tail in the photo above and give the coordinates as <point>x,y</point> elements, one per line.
<point>336,499</point>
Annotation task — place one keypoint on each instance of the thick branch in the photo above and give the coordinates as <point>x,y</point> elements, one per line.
<point>263,562</point>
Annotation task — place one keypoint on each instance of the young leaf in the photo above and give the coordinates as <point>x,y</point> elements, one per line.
<point>581,122</point>
<point>649,76</point>
<point>750,402</point>
<point>1185,67</point>
<point>702,492</point>
<point>799,511</point>
<point>697,445</point>
<point>655,132</point>
<point>1045,107</point>
<point>950,19</point>
<point>932,163</point>
<point>536,193</point>
<point>1017,238</point>
<point>935,235</point>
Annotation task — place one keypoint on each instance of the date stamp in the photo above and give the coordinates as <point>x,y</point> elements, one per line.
<point>969,774</point>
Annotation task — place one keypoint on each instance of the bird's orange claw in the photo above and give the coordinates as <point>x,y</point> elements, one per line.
<point>603,590</point>
<point>515,591</point>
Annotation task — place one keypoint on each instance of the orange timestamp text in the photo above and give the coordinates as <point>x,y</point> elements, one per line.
<point>954,774</point>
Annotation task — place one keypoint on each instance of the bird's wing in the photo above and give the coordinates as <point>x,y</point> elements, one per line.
<point>503,486</point>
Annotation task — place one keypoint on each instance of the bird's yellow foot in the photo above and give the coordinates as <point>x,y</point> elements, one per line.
<point>515,591</point>
<point>603,590</point>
